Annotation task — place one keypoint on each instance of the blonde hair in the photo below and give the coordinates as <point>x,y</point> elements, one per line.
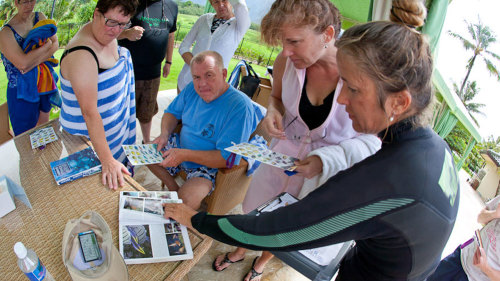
<point>317,14</point>
<point>395,56</point>
<point>409,12</point>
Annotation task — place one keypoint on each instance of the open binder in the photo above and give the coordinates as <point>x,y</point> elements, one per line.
<point>297,259</point>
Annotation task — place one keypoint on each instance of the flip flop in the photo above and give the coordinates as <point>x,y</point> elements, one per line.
<point>254,272</point>
<point>225,260</point>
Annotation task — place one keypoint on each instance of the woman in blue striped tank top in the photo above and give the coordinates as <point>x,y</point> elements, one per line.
<point>97,85</point>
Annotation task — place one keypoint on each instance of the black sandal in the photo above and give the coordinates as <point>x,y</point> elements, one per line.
<point>254,272</point>
<point>225,260</point>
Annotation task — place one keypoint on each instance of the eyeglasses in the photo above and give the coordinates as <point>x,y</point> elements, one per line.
<point>113,23</point>
<point>26,2</point>
<point>304,138</point>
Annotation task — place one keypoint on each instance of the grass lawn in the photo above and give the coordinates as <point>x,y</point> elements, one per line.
<point>169,83</point>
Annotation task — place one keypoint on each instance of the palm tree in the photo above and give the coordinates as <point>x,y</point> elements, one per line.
<point>470,91</point>
<point>491,143</point>
<point>482,37</point>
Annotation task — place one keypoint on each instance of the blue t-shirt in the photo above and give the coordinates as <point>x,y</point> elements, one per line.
<point>215,125</point>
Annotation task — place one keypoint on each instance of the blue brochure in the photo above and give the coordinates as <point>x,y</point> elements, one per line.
<point>80,164</point>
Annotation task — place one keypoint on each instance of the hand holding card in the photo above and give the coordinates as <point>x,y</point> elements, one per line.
<point>478,239</point>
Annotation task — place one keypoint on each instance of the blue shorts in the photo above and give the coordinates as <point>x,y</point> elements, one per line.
<point>24,115</point>
<point>450,269</point>
<point>200,172</point>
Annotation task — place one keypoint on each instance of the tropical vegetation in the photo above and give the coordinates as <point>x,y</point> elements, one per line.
<point>478,42</point>
<point>466,96</point>
<point>482,38</point>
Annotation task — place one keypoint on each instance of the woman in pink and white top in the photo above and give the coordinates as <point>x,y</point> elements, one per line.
<point>303,113</point>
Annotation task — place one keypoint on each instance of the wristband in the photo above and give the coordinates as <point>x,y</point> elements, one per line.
<point>168,62</point>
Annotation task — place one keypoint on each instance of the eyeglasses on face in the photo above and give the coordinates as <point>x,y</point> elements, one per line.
<point>113,23</point>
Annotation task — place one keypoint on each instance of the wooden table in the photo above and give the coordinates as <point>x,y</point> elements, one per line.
<point>42,227</point>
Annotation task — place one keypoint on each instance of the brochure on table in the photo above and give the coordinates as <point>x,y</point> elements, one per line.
<point>80,164</point>
<point>264,155</point>
<point>42,137</point>
<point>8,190</point>
<point>144,154</point>
<point>145,235</point>
<point>322,255</point>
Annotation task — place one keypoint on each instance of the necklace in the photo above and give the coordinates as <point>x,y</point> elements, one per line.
<point>149,19</point>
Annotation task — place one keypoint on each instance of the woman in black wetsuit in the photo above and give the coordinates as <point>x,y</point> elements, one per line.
<point>400,204</point>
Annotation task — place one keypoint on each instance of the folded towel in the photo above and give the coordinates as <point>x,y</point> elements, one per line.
<point>43,75</point>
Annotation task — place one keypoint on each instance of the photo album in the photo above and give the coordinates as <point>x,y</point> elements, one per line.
<point>144,154</point>
<point>264,155</point>
<point>42,137</point>
<point>77,165</point>
<point>145,236</point>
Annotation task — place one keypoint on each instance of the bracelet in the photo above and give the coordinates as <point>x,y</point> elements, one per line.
<point>168,62</point>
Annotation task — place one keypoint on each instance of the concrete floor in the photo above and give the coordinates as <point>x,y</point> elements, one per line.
<point>466,223</point>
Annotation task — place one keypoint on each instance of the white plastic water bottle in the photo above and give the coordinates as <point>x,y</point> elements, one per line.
<point>30,264</point>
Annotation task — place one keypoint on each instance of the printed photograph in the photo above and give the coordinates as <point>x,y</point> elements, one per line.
<point>164,194</point>
<point>136,242</point>
<point>134,204</point>
<point>146,194</point>
<point>131,193</point>
<point>176,244</point>
<point>177,227</point>
<point>153,206</point>
<point>169,228</point>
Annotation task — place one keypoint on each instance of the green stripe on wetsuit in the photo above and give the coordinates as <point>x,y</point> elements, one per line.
<point>316,231</point>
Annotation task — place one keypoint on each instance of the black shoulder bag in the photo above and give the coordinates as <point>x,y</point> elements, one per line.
<point>249,83</point>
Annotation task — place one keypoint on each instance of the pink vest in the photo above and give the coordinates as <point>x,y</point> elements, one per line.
<point>269,181</point>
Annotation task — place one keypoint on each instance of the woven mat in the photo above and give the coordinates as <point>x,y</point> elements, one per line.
<point>42,227</point>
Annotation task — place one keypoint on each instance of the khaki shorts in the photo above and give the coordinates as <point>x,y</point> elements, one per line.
<point>146,92</point>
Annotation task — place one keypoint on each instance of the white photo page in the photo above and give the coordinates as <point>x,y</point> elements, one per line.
<point>145,235</point>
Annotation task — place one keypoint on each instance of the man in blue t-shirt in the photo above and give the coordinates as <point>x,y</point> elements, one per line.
<point>213,115</point>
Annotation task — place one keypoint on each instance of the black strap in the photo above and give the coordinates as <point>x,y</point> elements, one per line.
<point>80,48</point>
<point>251,72</point>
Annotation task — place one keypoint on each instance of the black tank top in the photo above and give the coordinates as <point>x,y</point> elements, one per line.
<point>314,115</point>
<point>99,70</point>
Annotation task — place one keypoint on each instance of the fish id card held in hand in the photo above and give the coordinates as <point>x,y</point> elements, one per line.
<point>264,155</point>
<point>143,154</point>
<point>42,137</point>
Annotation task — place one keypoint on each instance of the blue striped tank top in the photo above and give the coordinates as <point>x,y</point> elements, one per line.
<point>115,103</point>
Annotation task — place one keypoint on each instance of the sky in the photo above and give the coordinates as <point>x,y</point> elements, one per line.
<point>452,57</point>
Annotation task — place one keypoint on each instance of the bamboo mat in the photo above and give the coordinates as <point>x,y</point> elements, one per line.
<point>42,227</point>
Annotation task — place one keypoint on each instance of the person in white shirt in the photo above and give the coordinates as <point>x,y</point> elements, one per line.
<point>220,32</point>
<point>470,262</point>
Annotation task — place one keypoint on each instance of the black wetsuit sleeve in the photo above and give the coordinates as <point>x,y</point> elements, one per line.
<point>402,187</point>
<point>322,218</point>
